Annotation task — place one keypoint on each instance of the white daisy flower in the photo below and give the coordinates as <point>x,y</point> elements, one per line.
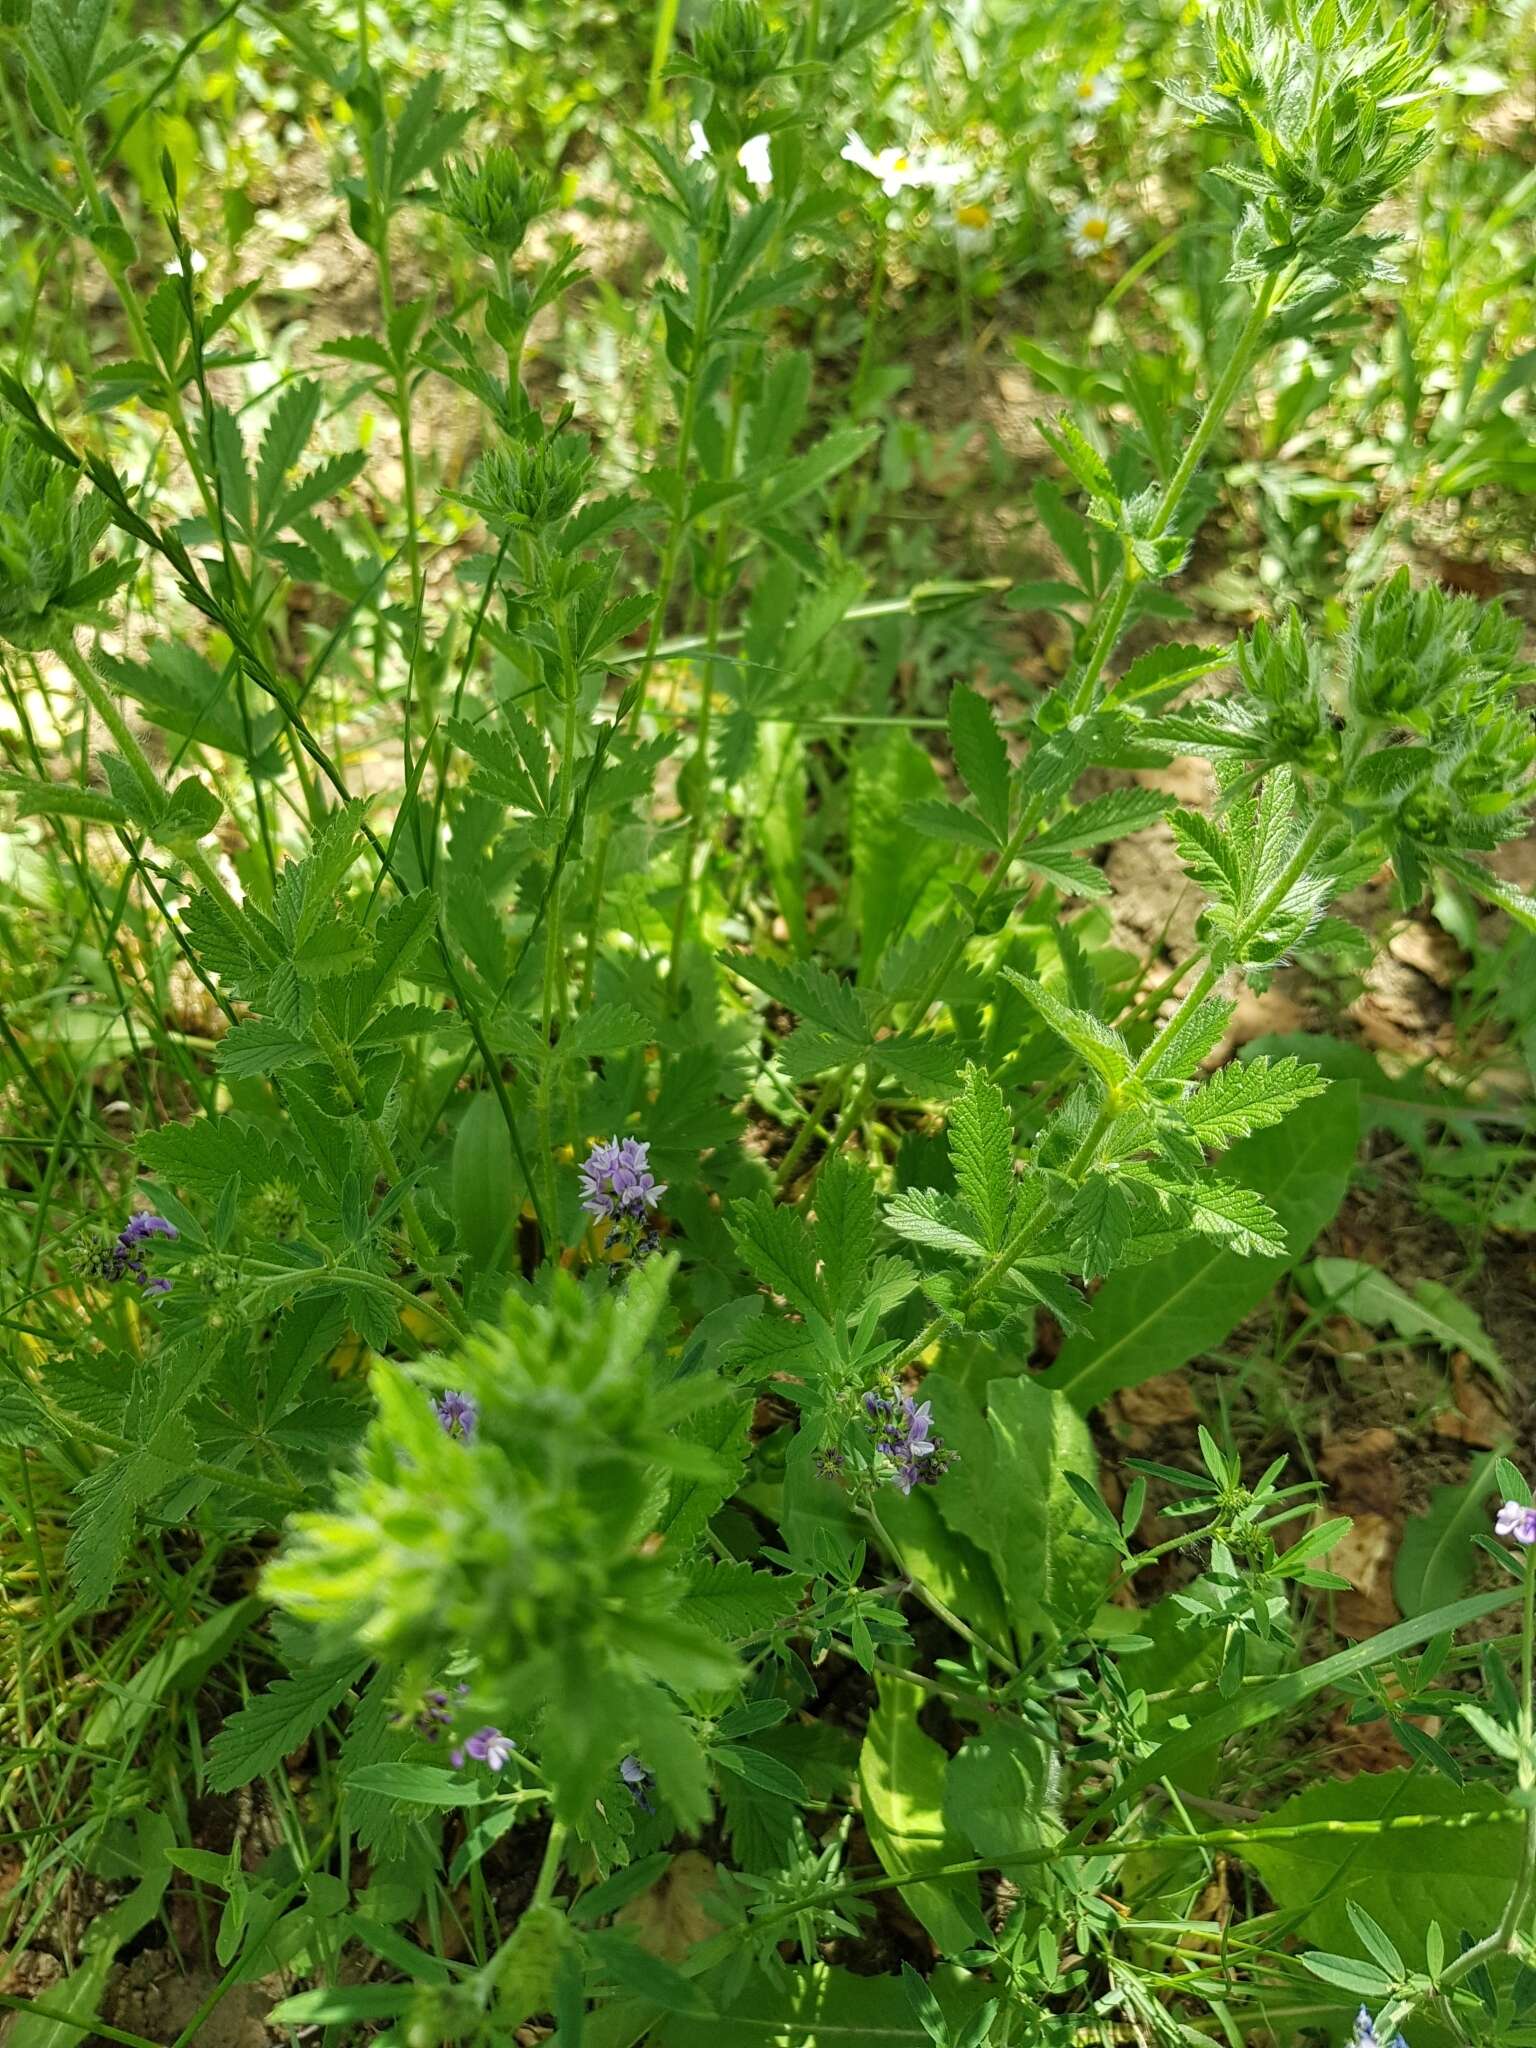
<point>895,168</point>
<point>755,160</point>
<point>1093,91</point>
<point>973,225</point>
<point>698,147</point>
<point>1094,228</point>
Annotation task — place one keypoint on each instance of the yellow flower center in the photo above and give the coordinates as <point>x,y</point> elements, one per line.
<point>901,163</point>
<point>1095,229</point>
<point>973,215</point>
<point>1085,88</point>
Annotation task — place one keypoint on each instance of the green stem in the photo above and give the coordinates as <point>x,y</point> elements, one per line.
<point>1118,597</point>
<point>554,1001</point>
<point>671,556</point>
<point>102,702</point>
<point>935,1605</point>
<point>661,50</point>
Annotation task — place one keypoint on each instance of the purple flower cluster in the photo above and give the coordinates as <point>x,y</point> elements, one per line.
<point>1366,2036</point>
<point>639,1781</point>
<point>125,1253</point>
<point>617,1183</point>
<point>459,1414</point>
<point>616,1180</point>
<point>486,1746</point>
<point>1517,1521</point>
<point>904,1432</point>
<point>433,1715</point>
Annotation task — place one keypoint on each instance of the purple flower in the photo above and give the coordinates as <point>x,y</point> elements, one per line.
<point>459,1414</point>
<point>1517,1521</point>
<point>639,1781</point>
<point>432,1715</point>
<point>903,1432</point>
<point>487,1746</point>
<point>143,1225</point>
<point>1366,2036</point>
<point>616,1180</point>
<point>113,1261</point>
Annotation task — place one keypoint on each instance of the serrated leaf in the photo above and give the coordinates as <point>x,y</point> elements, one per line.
<point>271,1726</point>
<point>1240,1218</point>
<point>809,990</point>
<point>1158,1316</point>
<point>1248,1097</point>
<point>981,758</point>
<point>844,1230</point>
<point>1210,854</point>
<point>777,1248</point>
<point>1096,1045</point>
<point>289,426</point>
<point>733,1601</point>
<point>981,1151</point>
<point>1099,819</point>
<point>925,1216</point>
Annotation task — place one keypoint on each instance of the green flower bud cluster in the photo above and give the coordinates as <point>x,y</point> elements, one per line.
<point>492,199</point>
<point>530,486</point>
<point>736,49</point>
<point>531,1541</point>
<point>1336,108</point>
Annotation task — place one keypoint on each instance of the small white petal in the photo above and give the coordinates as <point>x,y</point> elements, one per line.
<point>699,146</point>
<point>755,160</point>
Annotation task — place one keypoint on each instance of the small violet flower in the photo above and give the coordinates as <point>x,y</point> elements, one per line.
<point>639,1781</point>
<point>434,1714</point>
<point>616,1179</point>
<point>1517,1521</point>
<point>486,1746</point>
<point>125,1253</point>
<point>903,1431</point>
<point>459,1414</point>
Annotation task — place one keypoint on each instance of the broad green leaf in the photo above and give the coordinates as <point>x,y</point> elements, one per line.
<point>1371,1296</point>
<point>806,2008</point>
<point>1001,1795</point>
<point>1154,1318</point>
<point>1008,1493</point>
<point>901,1792</point>
<point>1436,1559</point>
<point>487,1196</point>
<point>1460,1874</point>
